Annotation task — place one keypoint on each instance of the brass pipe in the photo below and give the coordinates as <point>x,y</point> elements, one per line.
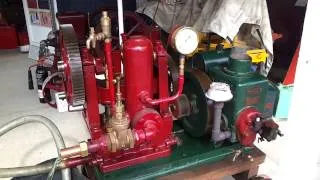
<point>105,23</point>
<point>80,150</point>
<point>182,60</point>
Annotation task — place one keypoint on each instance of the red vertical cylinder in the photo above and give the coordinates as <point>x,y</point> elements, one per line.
<point>138,70</point>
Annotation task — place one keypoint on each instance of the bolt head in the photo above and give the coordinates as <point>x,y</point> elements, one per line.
<point>258,119</point>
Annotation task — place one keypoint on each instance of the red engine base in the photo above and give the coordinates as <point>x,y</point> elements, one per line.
<point>134,156</point>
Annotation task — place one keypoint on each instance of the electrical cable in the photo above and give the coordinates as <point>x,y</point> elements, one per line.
<point>53,169</point>
<point>46,81</point>
<point>33,170</point>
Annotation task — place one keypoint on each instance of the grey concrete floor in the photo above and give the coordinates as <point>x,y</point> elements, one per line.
<point>32,143</point>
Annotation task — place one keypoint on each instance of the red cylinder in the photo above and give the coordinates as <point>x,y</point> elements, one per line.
<point>138,71</point>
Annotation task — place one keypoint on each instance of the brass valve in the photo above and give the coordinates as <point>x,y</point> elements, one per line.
<point>91,39</point>
<point>121,136</point>
<point>105,23</point>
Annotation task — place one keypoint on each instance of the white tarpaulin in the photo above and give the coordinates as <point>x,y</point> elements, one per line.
<point>223,17</point>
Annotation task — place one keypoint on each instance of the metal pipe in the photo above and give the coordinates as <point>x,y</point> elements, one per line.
<point>121,25</point>
<point>58,139</point>
<point>74,162</point>
<point>109,70</point>
<point>217,134</point>
<point>120,20</point>
<point>29,170</point>
<point>70,152</point>
<point>91,39</point>
<point>147,99</point>
<point>105,34</point>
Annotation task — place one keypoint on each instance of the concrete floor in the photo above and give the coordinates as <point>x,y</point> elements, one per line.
<point>32,143</point>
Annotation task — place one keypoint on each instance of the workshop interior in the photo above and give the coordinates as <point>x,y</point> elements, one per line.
<point>167,89</point>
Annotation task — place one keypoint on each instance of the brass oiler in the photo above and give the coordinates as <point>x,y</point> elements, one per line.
<point>105,23</point>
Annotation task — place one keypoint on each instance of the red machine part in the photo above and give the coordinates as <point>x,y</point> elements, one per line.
<point>78,20</point>
<point>150,119</point>
<point>245,126</point>
<point>138,70</point>
<point>109,68</point>
<point>152,129</point>
<point>92,108</point>
<point>164,99</point>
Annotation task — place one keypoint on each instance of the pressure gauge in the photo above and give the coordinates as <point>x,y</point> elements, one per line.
<point>185,40</point>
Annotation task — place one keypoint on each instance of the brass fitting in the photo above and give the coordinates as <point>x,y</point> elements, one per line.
<point>105,23</point>
<point>92,39</point>
<point>121,137</point>
<point>181,65</point>
<point>84,152</point>
<point>80,150</point>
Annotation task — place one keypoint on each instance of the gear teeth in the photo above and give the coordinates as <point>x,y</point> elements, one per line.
<point>74,60</point>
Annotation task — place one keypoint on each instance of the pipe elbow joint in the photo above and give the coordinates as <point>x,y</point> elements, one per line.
<point>220,136</point>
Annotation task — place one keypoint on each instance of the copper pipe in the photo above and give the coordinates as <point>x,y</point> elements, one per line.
<point>74,162</point>
<point>73,151</point>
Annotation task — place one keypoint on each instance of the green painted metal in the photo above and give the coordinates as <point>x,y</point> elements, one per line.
<point>272,100</point>
<point>206,59</point>
<point>239,66</point>
<point>248,88</point>
<point>191,153</point>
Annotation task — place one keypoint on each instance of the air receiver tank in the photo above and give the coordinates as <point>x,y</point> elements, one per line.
<point>138,70</point>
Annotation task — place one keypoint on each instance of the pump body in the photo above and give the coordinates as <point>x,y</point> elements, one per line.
<point>254,96</point>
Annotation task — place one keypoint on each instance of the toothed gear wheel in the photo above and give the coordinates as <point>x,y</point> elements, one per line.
<point>73,70</point>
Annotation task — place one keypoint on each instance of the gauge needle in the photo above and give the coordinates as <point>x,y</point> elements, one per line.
<point>189,37</point>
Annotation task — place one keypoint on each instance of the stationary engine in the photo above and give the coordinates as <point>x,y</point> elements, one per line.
<point>138,104</point>
<point>135,124</point>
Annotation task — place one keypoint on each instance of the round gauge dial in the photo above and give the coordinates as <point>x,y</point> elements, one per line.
<point>185,40</point>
